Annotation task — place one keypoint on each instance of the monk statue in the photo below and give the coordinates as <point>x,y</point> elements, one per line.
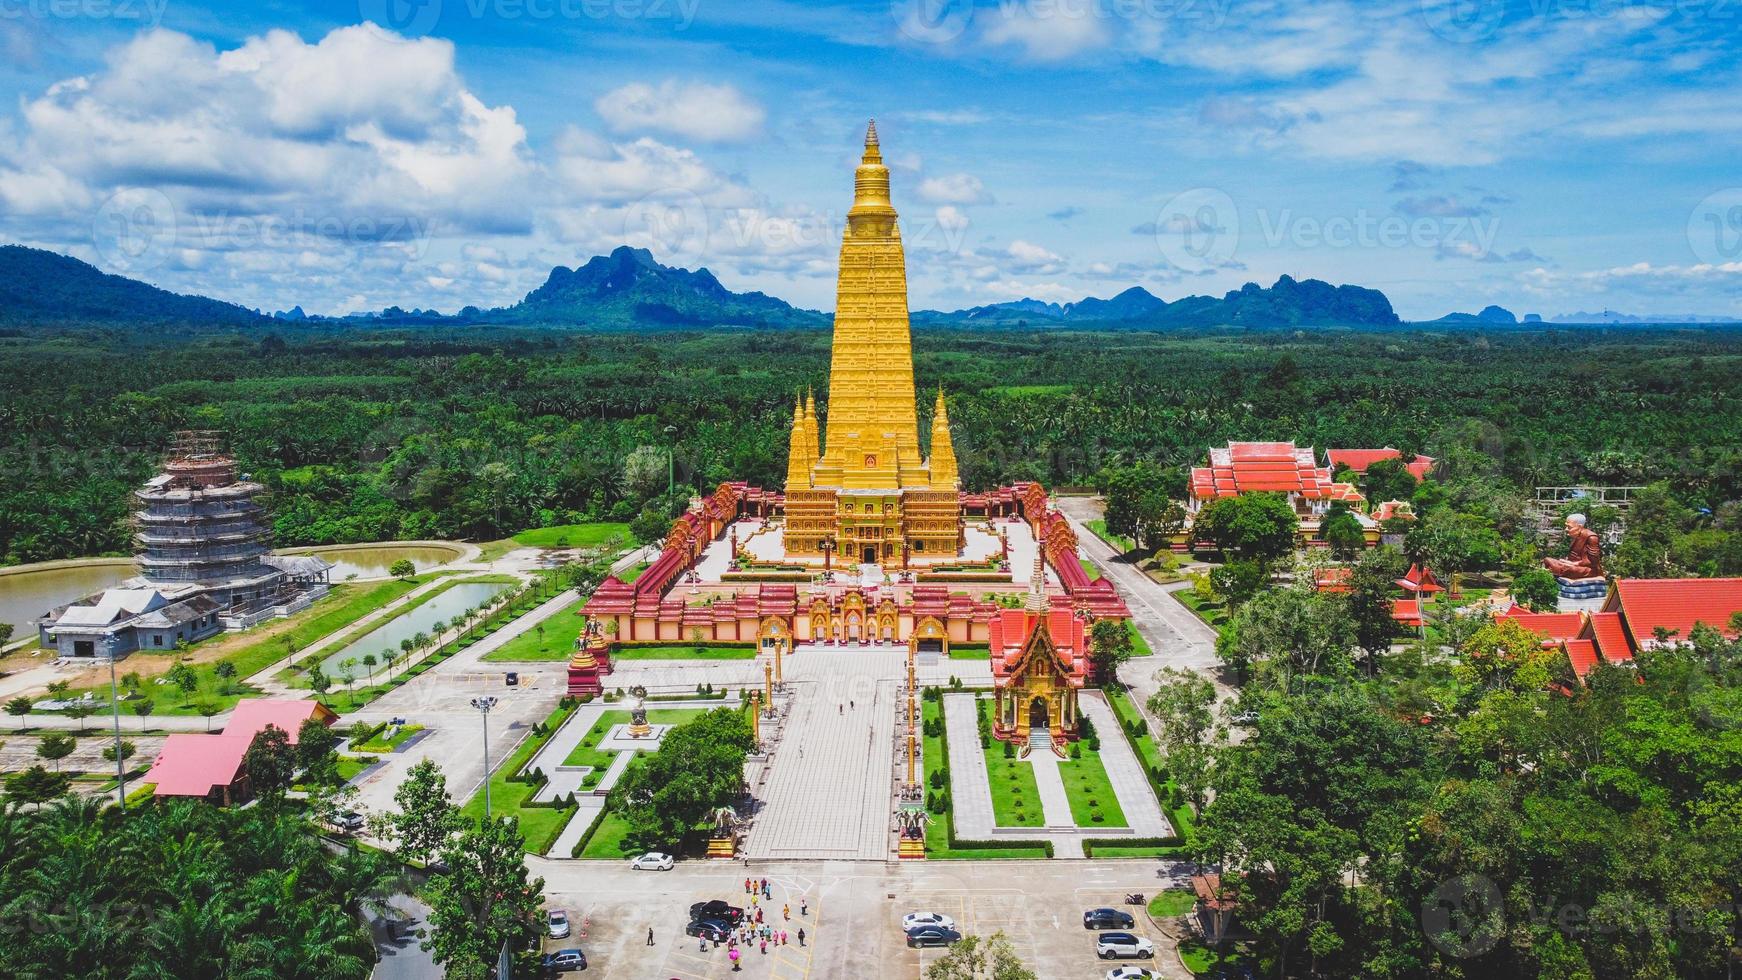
<point>1584,558</point>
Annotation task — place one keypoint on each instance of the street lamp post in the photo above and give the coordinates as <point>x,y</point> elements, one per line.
<point>120,760</point>
<point>484,704</point>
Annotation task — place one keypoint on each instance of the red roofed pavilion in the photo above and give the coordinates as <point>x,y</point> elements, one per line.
<point>1675,605</point>
<point>1359,459</point>
<point>1040,660</point>
<point>209,767</point>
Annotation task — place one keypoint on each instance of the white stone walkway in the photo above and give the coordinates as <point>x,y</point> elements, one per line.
<point>1055,806</point>
<point>1131,787</point>
<point>828,792</point>
<point>970,787</point>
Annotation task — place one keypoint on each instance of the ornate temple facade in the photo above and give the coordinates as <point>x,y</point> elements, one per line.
<point>860,489</point>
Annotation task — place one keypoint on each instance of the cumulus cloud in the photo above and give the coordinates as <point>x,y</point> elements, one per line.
<point>1046,33</point>
<point>693,110</point>
<point>954,189</point>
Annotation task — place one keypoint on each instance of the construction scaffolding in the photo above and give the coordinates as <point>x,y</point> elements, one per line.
<point>1550,503</point>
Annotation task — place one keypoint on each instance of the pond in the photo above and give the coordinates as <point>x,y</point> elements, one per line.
<point>374,562</point>
<point>455,599</point>
<point>26,595</point>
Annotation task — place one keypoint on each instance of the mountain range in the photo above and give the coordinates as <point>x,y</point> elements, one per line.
<point>629,289</point>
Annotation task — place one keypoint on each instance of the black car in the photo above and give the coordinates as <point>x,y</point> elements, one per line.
<point>563,961</point>
<point>713,930</point>
<point>931,936</point>
<point>716,909</point>
<point>1106,918</point>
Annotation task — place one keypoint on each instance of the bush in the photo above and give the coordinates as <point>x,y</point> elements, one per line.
<point>1076,750</point>
<point>1009,751</point>
<point>1096,816</point>
<point>937,779</point>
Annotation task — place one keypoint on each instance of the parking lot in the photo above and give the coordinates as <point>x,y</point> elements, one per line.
<point>853,924</point>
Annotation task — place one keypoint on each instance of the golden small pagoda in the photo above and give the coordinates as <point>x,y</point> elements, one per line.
<point>861,487</point>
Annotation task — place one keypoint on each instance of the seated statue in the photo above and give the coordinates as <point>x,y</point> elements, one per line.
<point>1585,556</point>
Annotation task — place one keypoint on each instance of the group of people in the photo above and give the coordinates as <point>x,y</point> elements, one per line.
<point>754,930</point>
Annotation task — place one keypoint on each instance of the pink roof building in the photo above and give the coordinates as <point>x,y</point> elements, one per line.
<point>210,766</point>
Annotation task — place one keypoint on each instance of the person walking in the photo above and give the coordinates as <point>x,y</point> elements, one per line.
<point>786,911</point>
<point>746,886</point>
<point>650,935</point>
<point>764,947</point>
<point>734,956</point>
<point>701,944</point>
<point>804,907</point>
<point>801,935</point>
<point>767,890</point>
<point>783,937</point>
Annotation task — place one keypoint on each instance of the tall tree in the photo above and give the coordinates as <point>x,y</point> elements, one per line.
<point>270,763</point>
<point>484,901</point>
<point>426,818</point>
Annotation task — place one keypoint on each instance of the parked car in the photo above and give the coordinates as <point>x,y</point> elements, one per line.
<point>913,920</point>
<point>557,923</point>
<point>931,936</point>
<point>1108,918</point>
<point>713,930</point>
<point>564,961</point>
<point>350,821</point>
<point>513,678</point>
<point>653,862</point>
<point>1132,973</point>
<point>1122,945</point>
<point>716,909</point>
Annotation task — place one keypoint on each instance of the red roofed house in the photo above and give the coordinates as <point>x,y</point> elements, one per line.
<point>1646,605</point>
<point>1587,638</point>
<point>1359,459</point>
<point>1216,902</point>
<point>1040,660</point>
<point>1276,467</point>
<point>210,766</point>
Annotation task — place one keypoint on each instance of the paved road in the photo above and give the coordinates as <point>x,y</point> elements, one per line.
<point>853,922</point>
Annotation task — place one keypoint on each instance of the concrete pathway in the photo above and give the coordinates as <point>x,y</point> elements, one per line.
<point>827,790</point>
<point>1124,770</point>
<point>1055,806</point>
<point>970,787</point>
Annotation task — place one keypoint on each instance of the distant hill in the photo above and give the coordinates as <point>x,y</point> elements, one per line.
<point>630,288</point>
<point>1610,316</point>
<point>1307,302</point>
<point>39,286</point>
<point>1489,314</point>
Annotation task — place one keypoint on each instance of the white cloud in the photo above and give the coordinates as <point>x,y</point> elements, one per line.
<point>951,219</point>
<point>1046,32</point>
<point>1028,255</point>
<point>954,189</point>
<point>694,110</point>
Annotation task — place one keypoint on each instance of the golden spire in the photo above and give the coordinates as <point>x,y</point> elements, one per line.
<point>798,454</point>
<point>944,475</point>
<point>1037,601</point>
<point>810,412</point>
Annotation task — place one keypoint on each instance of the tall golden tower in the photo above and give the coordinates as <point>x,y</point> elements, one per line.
<point>869,490</point>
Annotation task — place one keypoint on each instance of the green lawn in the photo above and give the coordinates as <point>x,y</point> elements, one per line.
<point>684,652</point>
<point>609,841</point>
<point>1089,569</point>
<point>1139,645</point>
<point>572,535</point>
<point>1201,959</point>
<point>552,639</point>
<point>937,833</point>
<point>380,745</point>
<point>1169,903</point>
<point>586,752</point>
<point>1090,791</point>
<point>539,825</point>
<point>970,651</point>
<point>1015,795</point>
<point>1118,543</point>
<point>1210,611</point>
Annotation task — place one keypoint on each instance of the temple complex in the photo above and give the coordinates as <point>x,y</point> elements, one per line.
<point>873,540</point>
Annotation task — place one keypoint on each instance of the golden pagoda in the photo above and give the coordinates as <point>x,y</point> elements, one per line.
<point>862,484</point>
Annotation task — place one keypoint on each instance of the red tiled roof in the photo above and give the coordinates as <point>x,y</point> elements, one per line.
<point>1334,580</point>
<point>1258,467</point>
<point>1406,611</point>
<point>1359,459</point>
<point>251,715</point>
<point>1011,630</point>
<point>1549,626</point>
<point>1675,604</point>
<point>1610,637</point>
<point>192,765</point>
<point>1394,508</point>
<point>1209,890</point>
<point>1583,655</point>
<point>1419,579</point>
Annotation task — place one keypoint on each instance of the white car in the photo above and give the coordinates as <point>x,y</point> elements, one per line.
<point>1123,945</point>
<point>558,924</point>
<point>913,920</point>
<point>653,862</point>
<point>1132,973</point>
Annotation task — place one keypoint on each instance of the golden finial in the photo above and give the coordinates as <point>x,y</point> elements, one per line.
<point>873,152</point>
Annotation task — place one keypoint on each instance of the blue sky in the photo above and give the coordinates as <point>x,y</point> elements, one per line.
<point>1546,155</point>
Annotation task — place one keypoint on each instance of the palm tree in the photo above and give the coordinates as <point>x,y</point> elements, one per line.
<point>369,663</point>
<point>389,657</point>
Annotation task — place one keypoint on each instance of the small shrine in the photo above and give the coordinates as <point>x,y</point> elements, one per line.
<point>592,660</point>
<point>1040,660</point>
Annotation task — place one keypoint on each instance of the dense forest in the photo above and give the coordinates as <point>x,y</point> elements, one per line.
<point>371,433</point>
